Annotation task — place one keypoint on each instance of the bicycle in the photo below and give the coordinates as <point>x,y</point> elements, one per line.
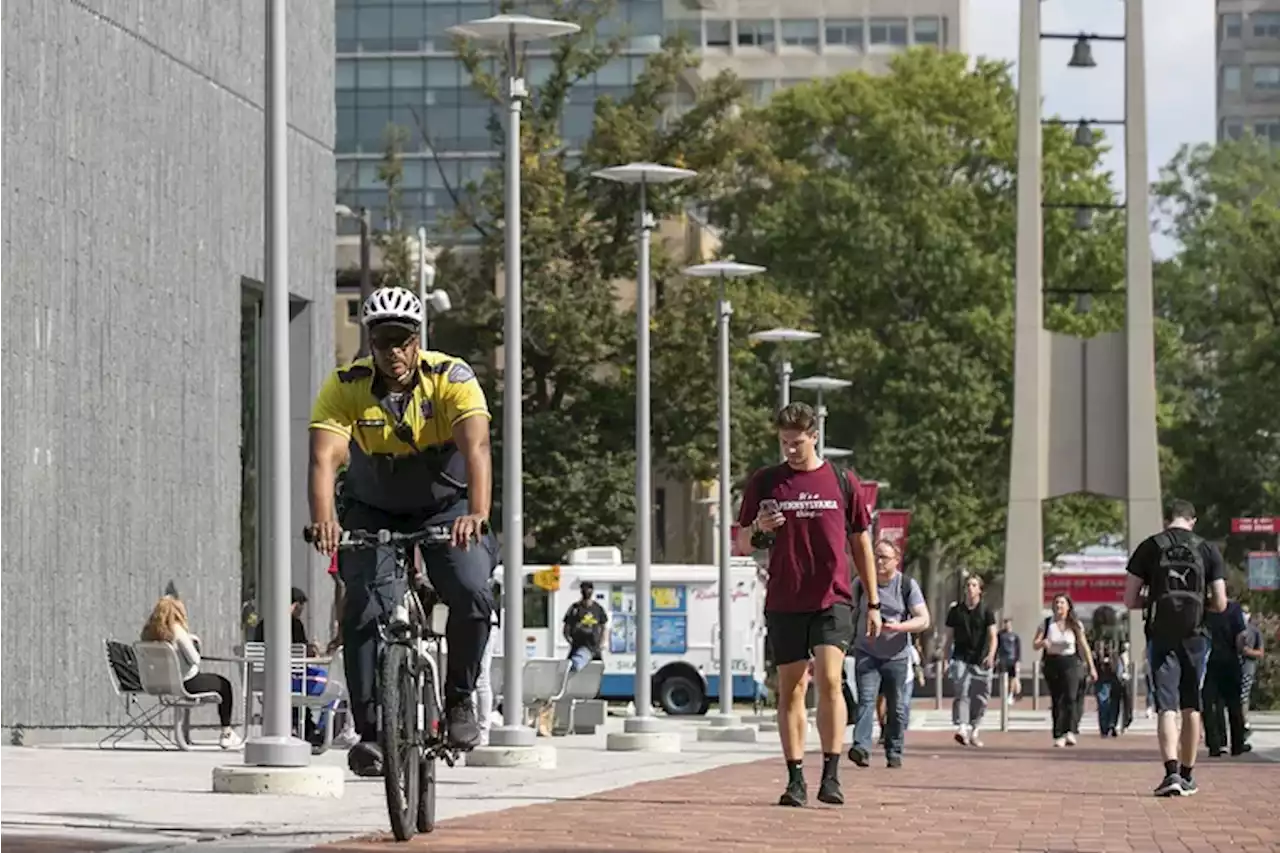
<point>412,731</point>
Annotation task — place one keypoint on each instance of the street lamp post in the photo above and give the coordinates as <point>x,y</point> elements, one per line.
<point>724,270</point>
<point>432,300</point>
<point>784,336</point>
<point>821,384</point>
<point>510,31</point>
<point>643,174</point>
<point>276,747</point>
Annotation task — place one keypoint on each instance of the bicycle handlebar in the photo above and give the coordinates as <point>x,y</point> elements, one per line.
<point>436,534</point>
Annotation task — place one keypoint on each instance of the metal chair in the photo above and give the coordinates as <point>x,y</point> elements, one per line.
<point>160,675</point>
<point>334,687</point>
<point>122,669</point>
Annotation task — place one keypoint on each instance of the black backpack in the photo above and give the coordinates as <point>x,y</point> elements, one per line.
<point>1176,596</point>
<point>775,472</point>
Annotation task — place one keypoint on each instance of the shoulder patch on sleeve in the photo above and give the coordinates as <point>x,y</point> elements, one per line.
<point>461,372</point>
<point>355,373</point>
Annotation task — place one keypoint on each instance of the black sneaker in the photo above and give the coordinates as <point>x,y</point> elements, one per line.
<point>829,792</point>
<point>464,728</point>
<point>796,795</point>
<point>1187,788</point>
<point>859,756</point>
<point>894,761</point>
<point>1171,786</point>
<point>365,759</point>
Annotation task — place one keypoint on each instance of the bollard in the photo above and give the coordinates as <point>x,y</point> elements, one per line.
<point>1035,686</point>
<point>1004,701</point>
<point>937,686</point>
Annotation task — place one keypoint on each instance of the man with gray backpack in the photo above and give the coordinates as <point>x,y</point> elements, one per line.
<point>1182,576</point>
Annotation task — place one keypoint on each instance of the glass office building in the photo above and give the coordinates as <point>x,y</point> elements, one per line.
<point>395,65</point>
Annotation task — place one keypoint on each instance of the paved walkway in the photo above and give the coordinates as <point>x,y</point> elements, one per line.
<point>1017,794</point>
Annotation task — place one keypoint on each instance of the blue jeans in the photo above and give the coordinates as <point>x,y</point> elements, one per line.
<point>1108,691</point>
<point>874,675</point>
<point>579,657</point>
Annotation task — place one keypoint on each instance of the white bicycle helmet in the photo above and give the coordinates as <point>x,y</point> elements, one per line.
<point>392,304</point>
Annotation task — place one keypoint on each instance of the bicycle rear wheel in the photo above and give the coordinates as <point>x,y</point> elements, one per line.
<point>400,739</point>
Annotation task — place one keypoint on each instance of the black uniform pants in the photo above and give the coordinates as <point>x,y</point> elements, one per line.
<point>1222,699</point>
<point>462,579</point>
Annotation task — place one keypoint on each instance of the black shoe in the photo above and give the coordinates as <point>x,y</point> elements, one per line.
<point>1215,753</point>
<point>1170,786</point>
<point>1244,747</point>
<point>796,795</point>
<point>464,728</point>
<point>365,759</point>
<point>894,761</point>
<point>859,756</point>
<point>829,792</point>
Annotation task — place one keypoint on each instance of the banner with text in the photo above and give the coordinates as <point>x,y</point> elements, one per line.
<point>892,524</point>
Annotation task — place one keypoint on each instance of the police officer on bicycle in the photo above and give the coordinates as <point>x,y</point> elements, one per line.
<point>417,427</point>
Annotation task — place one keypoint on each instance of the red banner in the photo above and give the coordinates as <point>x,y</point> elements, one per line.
<point>869,492</point>
<point>892,524</point>
<point>1092,588</point>
<point>1255,525</point>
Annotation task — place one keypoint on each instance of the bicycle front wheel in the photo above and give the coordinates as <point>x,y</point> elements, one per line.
<point>400,739</point>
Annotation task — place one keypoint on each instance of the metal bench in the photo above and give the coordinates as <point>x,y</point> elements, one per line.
<point>122,668</point>
<point>160,675</point>
<point>577,711</point>
<point>545,680</point>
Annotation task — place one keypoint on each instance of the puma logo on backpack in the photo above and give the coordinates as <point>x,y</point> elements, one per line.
<point>1177,588</point>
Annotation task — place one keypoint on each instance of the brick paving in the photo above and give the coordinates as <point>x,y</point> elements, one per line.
<point>1017,794</point>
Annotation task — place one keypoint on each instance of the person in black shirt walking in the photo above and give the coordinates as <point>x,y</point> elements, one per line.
<point>1173,576</point>
<point>971,628</point>
<point>1223,696</point>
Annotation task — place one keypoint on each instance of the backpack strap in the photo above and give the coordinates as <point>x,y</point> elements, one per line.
<point>846,492</point>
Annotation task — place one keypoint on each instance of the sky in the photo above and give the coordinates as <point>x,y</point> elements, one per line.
<point>1180,65</point>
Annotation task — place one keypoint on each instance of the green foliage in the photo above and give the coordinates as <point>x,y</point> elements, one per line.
<point>578,245</point>
<point>393,238</point>
<point>1219,299</point>
<point>887,203</point>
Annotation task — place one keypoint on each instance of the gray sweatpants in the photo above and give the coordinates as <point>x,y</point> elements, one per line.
<point>972,685</point>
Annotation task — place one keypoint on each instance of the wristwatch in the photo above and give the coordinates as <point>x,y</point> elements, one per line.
<point>873,605</point>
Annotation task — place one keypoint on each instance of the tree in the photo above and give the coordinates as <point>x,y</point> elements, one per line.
<point>887,203</point>
<point>1219,298</point>
<point>578,244</point>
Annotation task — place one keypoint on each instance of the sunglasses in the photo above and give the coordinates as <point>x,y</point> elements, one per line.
<point>392,338</point>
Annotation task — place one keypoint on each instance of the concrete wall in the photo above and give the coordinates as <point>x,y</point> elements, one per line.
<point>133,142</point>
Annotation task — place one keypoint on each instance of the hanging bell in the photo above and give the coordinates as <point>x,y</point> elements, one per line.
<point>1084,218</point>
<point>1082,55</point>
<point>1084,135</point>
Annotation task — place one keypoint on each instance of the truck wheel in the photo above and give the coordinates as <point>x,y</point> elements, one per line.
<point>680,696</point>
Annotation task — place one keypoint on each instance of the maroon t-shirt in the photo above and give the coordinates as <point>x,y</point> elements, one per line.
<point>808,564</point>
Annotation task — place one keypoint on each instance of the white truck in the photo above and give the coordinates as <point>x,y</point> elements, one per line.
<point>685,633</point>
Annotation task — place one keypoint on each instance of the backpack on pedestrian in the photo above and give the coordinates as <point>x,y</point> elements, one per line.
<point>1176,598</point>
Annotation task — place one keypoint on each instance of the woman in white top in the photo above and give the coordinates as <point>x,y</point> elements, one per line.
<point>168,624</point>
<point>1064,644</point>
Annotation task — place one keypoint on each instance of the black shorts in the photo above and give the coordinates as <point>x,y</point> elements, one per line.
<point>1177,671</point>
<point>792,636</point>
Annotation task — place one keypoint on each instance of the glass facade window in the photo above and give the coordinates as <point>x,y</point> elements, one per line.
<point>1230,25</point>
<point>888,31</point>
<point>690,31</point>
<point>1232,129</point>
<point>1231,78</point>
<point>800,33</point>
<point>927,31</point>
<point>1268,130</point>
<point>1265,25</point>
<point>844,33</point>
<point>760,90</point>
<point>1266,77</point>
<point>755,33</point>
<point>396,65</point>
<point>719,33</point>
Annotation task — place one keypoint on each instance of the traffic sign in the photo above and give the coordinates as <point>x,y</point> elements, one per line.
<point>1255,525</point>
<point>548,579</point>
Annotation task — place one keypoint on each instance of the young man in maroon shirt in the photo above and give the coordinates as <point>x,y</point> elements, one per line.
<point>798,510</point>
